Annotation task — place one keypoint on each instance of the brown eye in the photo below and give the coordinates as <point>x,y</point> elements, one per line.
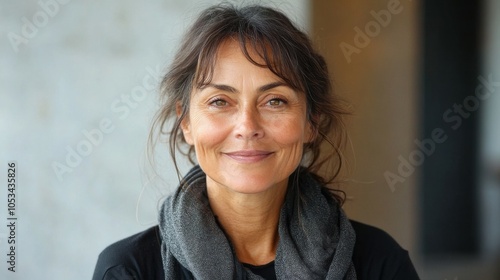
<point>276,102</point>
<point>219,103</point>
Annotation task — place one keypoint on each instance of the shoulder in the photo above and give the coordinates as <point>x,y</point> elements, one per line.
<point>135,257</point>
<point>378,256</point>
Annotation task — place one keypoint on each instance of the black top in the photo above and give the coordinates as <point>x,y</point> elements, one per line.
<point>265,271</point>
<point>376,256</point>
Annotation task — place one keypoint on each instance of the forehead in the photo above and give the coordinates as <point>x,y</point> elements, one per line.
<point>257,51</point>
<point>231,60</point>
<point>232,48</point>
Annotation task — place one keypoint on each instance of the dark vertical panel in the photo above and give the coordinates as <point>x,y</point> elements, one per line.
<point>450,74</point>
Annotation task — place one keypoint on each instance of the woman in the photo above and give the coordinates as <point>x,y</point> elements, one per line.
<point>253,102</point>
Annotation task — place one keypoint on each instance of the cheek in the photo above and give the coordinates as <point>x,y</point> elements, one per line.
<point>289,131</point>
<point>207,133</point>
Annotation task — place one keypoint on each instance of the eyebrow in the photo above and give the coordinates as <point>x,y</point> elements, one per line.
<point>231,89</point>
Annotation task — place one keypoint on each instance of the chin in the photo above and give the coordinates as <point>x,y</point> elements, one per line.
<point>251,184</point>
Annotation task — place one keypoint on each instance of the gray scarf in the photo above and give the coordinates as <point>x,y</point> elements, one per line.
<point>316,239</point>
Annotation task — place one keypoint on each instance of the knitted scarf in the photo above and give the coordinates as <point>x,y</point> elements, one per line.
<point>316,239</point>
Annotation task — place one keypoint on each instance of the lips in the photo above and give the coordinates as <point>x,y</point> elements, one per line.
<point>249,156</point>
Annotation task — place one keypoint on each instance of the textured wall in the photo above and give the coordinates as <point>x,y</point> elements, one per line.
<point>78,87</point>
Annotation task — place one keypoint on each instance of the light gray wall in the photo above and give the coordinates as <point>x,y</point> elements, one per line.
<point>71,72</point>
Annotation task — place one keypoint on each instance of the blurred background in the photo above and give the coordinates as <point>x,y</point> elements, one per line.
<point>78,89</point>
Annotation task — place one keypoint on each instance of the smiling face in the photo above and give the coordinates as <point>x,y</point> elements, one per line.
<point>247,126</point>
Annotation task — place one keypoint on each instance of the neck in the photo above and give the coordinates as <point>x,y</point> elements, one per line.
<point>249,220</point>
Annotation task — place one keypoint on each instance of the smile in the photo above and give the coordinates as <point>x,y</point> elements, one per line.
<point>249,156</point>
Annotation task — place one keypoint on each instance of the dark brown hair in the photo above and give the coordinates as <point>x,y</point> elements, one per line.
<point>286,51</point>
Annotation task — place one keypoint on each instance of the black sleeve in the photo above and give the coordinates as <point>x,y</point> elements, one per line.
<point>119,272</point>
<point>135,257</point>
<point>377,256</point>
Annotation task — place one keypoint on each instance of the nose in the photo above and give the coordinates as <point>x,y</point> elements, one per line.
<point>248,125</point>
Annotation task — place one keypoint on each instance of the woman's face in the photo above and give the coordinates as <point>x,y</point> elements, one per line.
<point>247,126</point>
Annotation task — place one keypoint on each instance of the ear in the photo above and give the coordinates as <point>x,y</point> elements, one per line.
<point>185,124</point>
<point>310,132</point>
